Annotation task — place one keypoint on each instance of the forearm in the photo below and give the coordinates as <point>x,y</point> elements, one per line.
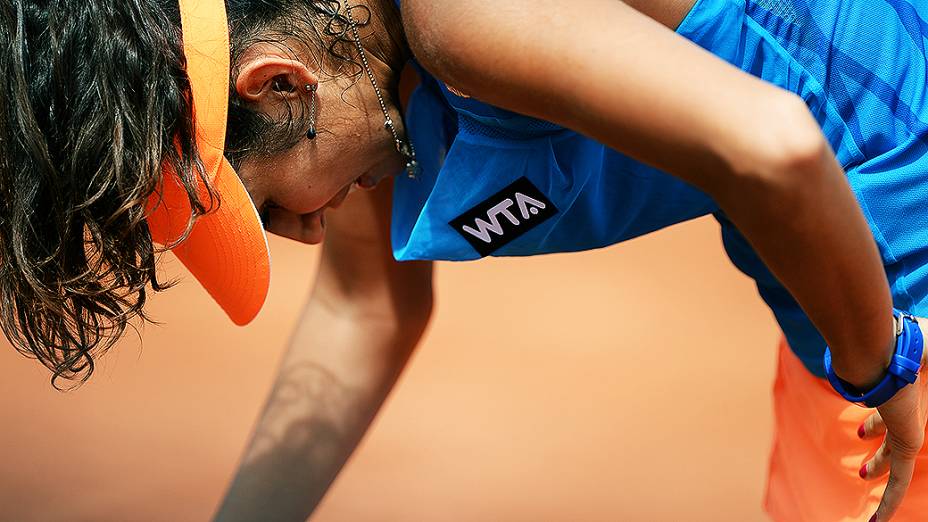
<point>339,369</point>
<point>814,238</point>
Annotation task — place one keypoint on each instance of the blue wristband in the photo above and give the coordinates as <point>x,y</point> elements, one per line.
<point>902,371</point>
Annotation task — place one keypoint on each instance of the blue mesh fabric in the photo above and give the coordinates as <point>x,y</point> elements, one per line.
<point>860,66</point>
<point>530,128</point>
<point>780,8</point>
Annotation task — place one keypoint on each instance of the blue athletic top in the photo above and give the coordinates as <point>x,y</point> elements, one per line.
<point>502,184</point>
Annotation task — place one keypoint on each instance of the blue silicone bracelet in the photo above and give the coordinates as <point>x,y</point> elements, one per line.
<point>902,370</point>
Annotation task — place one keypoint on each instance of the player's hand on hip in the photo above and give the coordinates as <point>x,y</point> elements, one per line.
<point>901,422</point>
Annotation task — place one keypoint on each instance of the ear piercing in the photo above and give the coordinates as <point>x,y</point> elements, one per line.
<point>311,89</point>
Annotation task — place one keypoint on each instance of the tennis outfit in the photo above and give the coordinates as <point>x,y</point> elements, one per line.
<point>496,183</point>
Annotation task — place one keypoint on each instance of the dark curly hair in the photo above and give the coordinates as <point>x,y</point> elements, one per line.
<point>94,100</point>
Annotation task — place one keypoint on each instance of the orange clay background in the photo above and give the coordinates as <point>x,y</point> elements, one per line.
<point>586,387</point>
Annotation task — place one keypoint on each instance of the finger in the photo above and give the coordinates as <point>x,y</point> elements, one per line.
<point>872,427</point>
<point>877,466</point>
<point>900,476</point>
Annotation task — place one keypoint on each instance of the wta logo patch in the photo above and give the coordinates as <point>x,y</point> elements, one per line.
<point>504,216</point>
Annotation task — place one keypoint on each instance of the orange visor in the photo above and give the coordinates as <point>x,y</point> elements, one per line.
<point>227,248</point>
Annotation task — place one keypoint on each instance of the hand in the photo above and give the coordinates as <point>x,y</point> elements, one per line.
<point>902,419</point>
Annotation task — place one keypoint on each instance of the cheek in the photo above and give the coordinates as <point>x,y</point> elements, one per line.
<point>291,181</point>
<point>341,159</point>
<point>297,189</point>
<point>308,176</point>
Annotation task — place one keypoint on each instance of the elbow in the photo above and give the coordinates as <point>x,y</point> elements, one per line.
<point>404,312</point>
<point>798,152</point>
<point>785,161</point>
<point>398,311</point>
<point>405,319</point>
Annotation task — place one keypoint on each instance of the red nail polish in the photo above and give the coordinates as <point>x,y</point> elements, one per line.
<point>863,472</point>
<point>861,432</point>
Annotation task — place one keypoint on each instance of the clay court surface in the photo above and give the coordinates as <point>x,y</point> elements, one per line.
<point>628,384</point>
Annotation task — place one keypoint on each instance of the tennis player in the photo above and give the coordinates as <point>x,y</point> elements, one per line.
<point>538,127</point>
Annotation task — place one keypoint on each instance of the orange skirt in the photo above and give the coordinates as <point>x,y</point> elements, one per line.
<point>816,456</point>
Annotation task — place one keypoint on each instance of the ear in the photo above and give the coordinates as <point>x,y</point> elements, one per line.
<point>270,79</point>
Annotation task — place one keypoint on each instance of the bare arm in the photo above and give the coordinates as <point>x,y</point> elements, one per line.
<point>612,73</point>
<point>608,71</point>
<point>364,318</point>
